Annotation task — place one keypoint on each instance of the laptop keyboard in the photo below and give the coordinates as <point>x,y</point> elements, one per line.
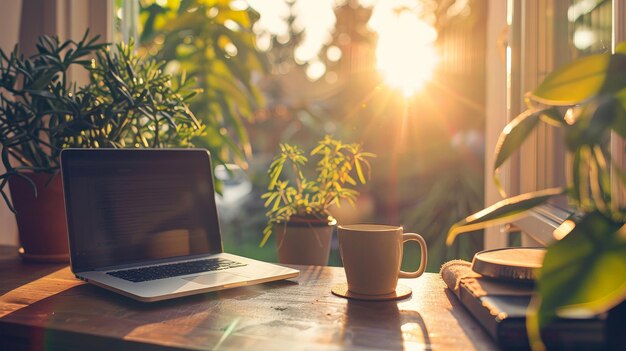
<point>143,274</point>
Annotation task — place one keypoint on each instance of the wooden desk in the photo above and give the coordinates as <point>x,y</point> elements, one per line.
<point>45,307</point>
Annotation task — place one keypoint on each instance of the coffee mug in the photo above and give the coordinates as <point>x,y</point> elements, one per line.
<point>372,255</point>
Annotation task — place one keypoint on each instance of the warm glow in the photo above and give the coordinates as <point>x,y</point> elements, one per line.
<point>564,229</point>
<point>405,55</point>
<point>47,286</point>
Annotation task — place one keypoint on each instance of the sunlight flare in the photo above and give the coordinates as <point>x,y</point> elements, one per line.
<point>406,55</point>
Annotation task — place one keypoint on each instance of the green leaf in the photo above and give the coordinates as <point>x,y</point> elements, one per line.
<point>270,198</point>
<point>349,180</point>
<point>359,171</point>
<point>574,82</point>
<point>619,123</point>
<point>502,212</point>
<point>583,274</point>
<point>275,171</point>
<point>317,149</point>
<point>514,135</point>
<point>615,75</point>
<point>593,124</point>
<point>552,117</point>
<point>266,234</point>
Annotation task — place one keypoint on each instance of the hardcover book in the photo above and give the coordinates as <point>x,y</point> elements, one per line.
<point>500,308</point>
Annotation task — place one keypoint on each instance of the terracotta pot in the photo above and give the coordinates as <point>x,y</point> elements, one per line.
<point>40,220</point>
<point>304,241</point>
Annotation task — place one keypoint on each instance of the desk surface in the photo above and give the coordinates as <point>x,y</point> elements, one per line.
<point>44,306</point>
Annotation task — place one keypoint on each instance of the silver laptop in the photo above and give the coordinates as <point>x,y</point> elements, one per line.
<point>143,223</point>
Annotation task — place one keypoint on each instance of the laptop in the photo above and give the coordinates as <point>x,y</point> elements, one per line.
<point>143,223</point>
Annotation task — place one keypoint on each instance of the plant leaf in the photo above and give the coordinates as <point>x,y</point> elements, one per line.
<point>514,135</point>
<point>583,274</point>
<point>552,117</point>
<point>359,171</point>
<point>574,82</point>
<point>275,173</point>
<point>619,123</point>
<point>502,212</point>
<point>266,234</point>
<point>592,125</point>
<point>615,75</point>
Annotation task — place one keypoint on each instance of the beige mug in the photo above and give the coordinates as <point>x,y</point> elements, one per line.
<point>372,255</point>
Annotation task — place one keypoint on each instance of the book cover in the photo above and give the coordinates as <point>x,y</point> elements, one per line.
<point>500,308</point>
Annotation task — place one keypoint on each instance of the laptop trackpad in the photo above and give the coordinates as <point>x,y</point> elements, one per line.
<point>215,279</point>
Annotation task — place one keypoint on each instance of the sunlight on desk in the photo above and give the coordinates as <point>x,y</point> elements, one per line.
<point>35,291</point>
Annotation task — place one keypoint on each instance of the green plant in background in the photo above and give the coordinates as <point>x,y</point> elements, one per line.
<point>212,42</point>
<point>129,102</point>
<point>583,273</point>
<point>311,198</point>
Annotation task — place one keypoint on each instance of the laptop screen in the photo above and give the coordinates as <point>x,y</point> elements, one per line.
<point>132,205</point>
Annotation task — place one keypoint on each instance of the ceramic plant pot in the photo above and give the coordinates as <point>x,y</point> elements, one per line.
<point>40,220</point>
<point>304,241</point>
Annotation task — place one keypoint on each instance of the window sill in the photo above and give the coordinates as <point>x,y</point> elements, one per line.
<point>541,222</point>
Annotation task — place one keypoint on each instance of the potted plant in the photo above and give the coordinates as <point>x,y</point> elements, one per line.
<point>129,102</point>
<point>298,214</point>
<point>584,270</point>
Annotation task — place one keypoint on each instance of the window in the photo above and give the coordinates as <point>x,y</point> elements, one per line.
<point>541,36</point>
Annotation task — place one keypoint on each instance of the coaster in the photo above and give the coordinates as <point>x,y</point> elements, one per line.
<point>401,292</point>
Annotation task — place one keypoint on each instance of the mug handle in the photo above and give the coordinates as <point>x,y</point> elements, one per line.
<point>418,238</point>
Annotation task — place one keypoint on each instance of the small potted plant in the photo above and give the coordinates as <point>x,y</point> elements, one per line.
<point>299,207</point>
<point>584,269</point>
<point>129,102</point>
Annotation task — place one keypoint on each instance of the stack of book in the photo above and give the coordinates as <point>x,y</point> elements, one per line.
<point>500,307</point>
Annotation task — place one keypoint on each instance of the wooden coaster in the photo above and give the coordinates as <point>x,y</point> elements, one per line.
<point>401,292</point>
<point>517,264</point>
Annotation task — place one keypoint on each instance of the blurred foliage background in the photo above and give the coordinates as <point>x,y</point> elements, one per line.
<point>262,81</point>
<point>212,44</point>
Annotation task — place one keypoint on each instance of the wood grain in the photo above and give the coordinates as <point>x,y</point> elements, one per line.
<point>45,307</point>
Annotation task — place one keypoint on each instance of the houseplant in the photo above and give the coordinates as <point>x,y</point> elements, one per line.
<point>583,273</point>
<point>129,102</point>
<point>298,214</point>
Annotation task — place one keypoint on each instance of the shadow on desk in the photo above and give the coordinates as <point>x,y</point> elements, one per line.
<point>388,330</point>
